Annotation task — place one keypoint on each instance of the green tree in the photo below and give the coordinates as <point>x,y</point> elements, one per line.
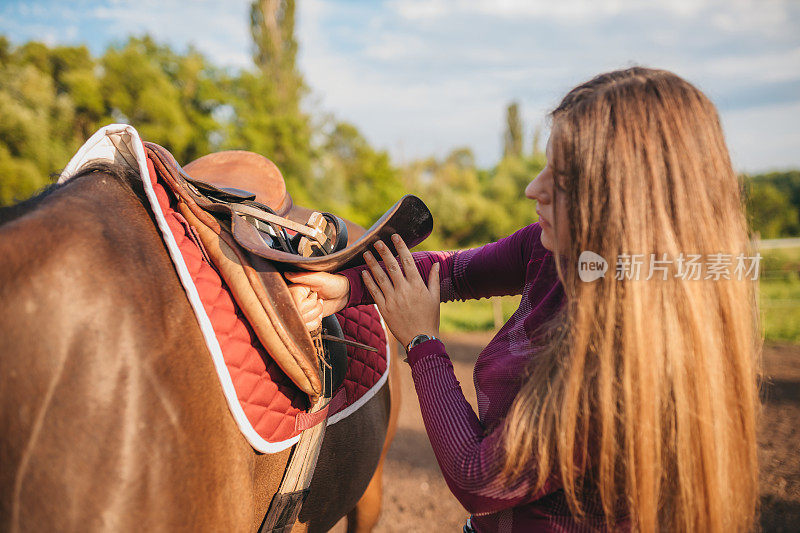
<point>37,129</point>
<point>355,180</point>
<point>506,189</point>
<point>52,99</point>
<point>454,191</point>
<point>788,183</point>
<point>138,89</point>
<point>770,210</point>
<point>258,123</point>
<point>505,183</point>
<point>537,150</point>
<point>275,47</point>
<point>265,113</point>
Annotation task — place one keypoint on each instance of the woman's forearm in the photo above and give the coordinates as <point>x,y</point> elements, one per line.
<point>470,460</point>
<point>495,269</point>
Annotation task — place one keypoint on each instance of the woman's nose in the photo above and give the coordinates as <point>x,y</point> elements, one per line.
<point>530,190</point>
<point>536,191</point>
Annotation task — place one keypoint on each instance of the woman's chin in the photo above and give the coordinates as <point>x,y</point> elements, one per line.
<point>547,241</point>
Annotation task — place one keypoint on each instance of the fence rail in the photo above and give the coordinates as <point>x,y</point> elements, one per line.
<point>774,244</point>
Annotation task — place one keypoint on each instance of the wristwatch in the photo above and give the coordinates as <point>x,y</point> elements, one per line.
<point>419,339</point>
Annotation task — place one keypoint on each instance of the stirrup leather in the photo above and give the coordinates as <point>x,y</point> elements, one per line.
<point>286,504</point>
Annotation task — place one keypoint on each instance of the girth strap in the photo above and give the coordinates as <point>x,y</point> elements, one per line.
<point>286,504</point>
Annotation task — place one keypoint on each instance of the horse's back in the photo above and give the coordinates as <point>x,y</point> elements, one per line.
<point>107,419</point>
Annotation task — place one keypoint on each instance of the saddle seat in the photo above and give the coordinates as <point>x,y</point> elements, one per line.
<point>244,170</point>
<point>254,173</point>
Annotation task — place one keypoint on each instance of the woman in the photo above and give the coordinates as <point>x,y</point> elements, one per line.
<point>627,402</point>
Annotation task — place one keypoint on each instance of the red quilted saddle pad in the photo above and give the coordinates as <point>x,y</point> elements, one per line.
<point>268,398</point>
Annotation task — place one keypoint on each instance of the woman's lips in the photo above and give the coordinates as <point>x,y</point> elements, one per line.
<point>542,221</point>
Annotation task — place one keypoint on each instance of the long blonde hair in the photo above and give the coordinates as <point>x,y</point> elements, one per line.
<point>646,392</point>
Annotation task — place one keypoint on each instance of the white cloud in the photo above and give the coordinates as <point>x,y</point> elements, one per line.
<point>424,76</point>
<point>765,66</point>
<point>728,14</point>
<point>766,138</point>
<point>218,29</point>
<point>429,75</point>
<point>393,47</point>
<point>423,10</point>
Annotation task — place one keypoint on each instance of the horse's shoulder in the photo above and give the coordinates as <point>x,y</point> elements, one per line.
<point>100,346</point>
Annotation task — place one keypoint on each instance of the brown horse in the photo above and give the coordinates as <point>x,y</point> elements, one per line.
<point>112,415</point>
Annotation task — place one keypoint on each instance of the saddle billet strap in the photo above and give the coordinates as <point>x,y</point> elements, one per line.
<point>271,218</point>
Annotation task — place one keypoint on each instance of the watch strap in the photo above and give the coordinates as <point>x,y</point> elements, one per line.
<point>419,339</point>
<point>424,350</point>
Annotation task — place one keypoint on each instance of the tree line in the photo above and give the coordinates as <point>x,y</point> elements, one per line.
<point>52,98</point>
<point>773,203</point>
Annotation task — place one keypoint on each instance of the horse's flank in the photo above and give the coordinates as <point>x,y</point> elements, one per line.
<point>112,416</point>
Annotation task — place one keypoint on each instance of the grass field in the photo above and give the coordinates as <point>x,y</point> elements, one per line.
<point>780,294</point>
<point>475,315</point>
<point>779,301</point>
<point>780,310</point>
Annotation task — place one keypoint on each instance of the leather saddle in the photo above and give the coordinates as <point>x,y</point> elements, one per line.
<point>251,230</point>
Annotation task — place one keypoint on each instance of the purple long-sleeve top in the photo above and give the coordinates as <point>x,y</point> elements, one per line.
<point>469,448</point>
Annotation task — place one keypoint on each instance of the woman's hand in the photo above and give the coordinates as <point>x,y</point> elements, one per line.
<point>408,306</point>
<point>332,289</point>
<point>309,306</point>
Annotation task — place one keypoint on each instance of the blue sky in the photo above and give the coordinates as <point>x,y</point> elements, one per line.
<point>420,77</point>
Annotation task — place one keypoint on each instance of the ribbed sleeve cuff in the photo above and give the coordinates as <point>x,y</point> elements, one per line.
<point>353,276</point>
<point>425,350</point>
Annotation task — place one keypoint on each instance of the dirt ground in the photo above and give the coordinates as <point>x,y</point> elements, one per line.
<point>779,440</point>
<point>416,497</point>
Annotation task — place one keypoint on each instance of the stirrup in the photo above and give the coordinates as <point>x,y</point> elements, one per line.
<point>331,226</point>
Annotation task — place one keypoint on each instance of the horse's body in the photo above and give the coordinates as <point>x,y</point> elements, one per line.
<point>112,415</point>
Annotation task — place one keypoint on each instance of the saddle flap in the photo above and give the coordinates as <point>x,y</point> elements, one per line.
<point>262,295</point>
